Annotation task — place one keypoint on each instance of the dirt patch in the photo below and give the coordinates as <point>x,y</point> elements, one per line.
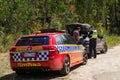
<point>108,76</point>
<point>4,64</point>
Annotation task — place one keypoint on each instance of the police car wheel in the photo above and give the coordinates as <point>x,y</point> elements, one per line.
<point>66,67</point>
<point>85,59</point>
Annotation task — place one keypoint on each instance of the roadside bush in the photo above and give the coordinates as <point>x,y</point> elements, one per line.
<point>101,30</point>
<point>6,42</point>
<point>112,40</point>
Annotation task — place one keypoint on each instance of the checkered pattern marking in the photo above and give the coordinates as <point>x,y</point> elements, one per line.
<point>67,48</point>
<point>42,56</point>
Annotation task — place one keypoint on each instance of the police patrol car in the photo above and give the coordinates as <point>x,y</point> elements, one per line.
<point>50,50</point>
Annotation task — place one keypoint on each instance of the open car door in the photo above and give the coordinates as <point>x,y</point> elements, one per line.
<point>84,28</point>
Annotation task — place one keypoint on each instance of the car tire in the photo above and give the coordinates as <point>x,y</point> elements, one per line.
<point>66,67</point>
<point>85,59</point>
<point>104,50</point>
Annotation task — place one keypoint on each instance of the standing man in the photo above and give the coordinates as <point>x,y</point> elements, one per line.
<point>76,34</point>
<point>93,42</point>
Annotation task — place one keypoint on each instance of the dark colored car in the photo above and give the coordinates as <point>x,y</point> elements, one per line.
<point>101,43</point>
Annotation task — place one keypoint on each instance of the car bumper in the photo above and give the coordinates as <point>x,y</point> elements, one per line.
<point>54,63</point>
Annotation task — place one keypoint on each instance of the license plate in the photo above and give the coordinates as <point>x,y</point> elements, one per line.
<point>29,54</point>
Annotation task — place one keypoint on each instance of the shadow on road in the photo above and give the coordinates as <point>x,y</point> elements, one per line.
<point>36,76</point>
<point>31,76</point>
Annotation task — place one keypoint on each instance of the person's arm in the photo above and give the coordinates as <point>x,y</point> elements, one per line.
<point>76,35</point>
<point>90,34</point>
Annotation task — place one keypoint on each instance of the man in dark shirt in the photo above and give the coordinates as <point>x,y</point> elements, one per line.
<point>76,34</point>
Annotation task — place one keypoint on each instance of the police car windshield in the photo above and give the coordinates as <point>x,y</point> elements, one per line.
<point>32,41</point>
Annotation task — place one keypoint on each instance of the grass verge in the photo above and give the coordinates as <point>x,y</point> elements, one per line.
<point>112,40</point>
<point>5,64</point>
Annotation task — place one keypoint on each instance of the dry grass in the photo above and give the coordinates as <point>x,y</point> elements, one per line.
<point>112,40</point>
<point>4,64</point>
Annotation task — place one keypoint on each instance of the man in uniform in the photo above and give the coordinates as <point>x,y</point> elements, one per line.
<point>93,42</point>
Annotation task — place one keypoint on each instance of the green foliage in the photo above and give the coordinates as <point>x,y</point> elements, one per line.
<point>20,17</point>
<point>101,30</point>
<point>112,40</point>
<point>6,42</point>
<point>55,23</point>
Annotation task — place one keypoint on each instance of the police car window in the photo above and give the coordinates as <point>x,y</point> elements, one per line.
<point>27,41</point>
<point>65,41</point>
<point>70,40</point>
<point>59,40</point>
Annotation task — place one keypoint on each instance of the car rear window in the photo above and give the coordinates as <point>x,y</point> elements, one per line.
<point>31,41</point>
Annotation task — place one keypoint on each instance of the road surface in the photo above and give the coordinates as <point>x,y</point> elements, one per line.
<point>105,67</point>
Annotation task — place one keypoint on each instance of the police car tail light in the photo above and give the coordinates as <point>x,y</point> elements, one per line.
<point>13,49</point>
<point>53,51</point>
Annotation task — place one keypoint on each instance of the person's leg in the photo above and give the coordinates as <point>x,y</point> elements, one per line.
<point>95,54</point>
<point>94,48</point>
<point>90,50</point>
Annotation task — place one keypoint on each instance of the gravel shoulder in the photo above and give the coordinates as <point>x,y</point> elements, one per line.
<point>105,67</point>
<point>102,68</point>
